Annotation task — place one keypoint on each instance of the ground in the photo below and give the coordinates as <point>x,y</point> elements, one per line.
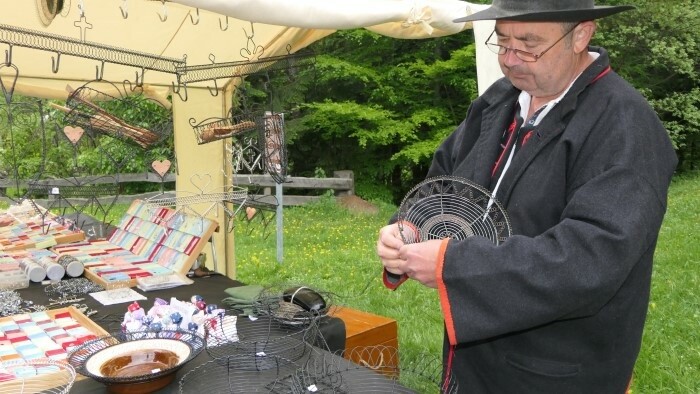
<point>357,205</point>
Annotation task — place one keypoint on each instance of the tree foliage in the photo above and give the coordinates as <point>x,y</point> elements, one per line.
<point>380,106</point>
<point>657,48</point>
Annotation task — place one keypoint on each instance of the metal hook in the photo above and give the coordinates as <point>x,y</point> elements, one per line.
<point>194,22</point>
<point>252,31</point>
<point>180,87</point>
<point>136,85</point>
<point>215,91</point>
<point>55,62</point>
<point>221,26</point>
<point>8,55</point>
<point>99,71</point>
<point>124,9</point>
<point>139,82</point>
<point>163,17</point>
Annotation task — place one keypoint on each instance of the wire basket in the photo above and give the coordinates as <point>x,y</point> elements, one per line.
<point>451,207</point>
<point>214,129</point>
<point>239,374</point>
<point>83,111</point>
<point>262,336</point>
<point>41,375</point>
<point>370,369</point>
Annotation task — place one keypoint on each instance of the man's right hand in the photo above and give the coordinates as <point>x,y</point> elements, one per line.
<point>388,245</point>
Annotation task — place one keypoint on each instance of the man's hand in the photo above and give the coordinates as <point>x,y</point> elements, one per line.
<point>419,261</point>
<point>388,245</point>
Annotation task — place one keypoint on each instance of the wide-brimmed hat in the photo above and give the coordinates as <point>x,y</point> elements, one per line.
<point>544,11</point>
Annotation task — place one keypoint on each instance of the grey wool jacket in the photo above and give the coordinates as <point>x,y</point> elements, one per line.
<point>559,307</point>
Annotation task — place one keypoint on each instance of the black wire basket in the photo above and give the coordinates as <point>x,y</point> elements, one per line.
<point>239,374</point>
<point>367,369</point>
<point>262,336</point>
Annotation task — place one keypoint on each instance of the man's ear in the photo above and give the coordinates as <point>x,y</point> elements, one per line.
<point>582,35</point>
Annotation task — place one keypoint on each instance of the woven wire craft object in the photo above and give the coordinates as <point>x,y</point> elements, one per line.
<point>82,110</point>
<point>451,207</point>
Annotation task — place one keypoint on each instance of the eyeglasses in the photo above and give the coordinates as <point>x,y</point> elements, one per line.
<point>520,54</point>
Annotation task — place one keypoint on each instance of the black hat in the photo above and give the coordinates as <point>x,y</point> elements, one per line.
<point>544,11</point>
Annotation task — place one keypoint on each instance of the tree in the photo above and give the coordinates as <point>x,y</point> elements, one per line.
<point>656,48</point>
<point>380,106</point>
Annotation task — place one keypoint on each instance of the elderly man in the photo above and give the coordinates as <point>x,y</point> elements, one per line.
<point>582,165</point>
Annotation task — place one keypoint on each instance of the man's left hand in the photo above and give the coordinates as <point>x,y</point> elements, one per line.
<point>420,261</point>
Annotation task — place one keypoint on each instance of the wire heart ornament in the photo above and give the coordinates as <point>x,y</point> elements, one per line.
<point>201,182</point>
<point>161,167</point>
<point>250,212</point>
<point>73,133</point>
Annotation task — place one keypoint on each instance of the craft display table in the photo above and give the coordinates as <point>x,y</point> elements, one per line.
<point>109,318</point>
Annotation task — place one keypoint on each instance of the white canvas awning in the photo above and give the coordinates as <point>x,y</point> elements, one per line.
<point>203,31</point>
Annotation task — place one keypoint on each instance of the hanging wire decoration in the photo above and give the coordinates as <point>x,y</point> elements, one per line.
<point>237,122</point>
<point>82,110</point>
<point>229,199</point>
<point>451,207</point>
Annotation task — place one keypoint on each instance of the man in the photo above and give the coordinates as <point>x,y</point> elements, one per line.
<point>582,165</point>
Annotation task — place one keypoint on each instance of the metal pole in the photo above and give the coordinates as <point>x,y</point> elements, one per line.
<point>280,238</point>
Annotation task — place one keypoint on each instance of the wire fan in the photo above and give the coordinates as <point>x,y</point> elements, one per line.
<point>451,207</point>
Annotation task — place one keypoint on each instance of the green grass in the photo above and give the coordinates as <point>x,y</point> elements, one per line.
<point>332,249</point>
<point>669,361</point>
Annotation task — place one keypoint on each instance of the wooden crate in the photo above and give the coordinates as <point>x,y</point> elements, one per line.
<point>370,340</point>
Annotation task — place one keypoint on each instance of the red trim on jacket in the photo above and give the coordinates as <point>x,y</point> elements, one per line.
<point>442,292</point>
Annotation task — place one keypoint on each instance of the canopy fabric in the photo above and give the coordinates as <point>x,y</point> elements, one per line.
<point>395,17</point>
<point>202,32</point>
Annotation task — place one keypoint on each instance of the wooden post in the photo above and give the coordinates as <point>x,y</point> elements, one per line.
<point>345,174</point>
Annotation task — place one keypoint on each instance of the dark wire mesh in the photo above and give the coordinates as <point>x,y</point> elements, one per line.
<point>239,373</point>
<point>451,207</point>
<point>261,336</point>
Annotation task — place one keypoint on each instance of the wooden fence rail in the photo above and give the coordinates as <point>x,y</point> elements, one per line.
<point>342,183</point>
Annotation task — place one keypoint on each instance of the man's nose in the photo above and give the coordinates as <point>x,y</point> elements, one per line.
<point>509,58</point>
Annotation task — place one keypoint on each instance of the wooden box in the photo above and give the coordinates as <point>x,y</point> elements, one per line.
<point>370,340</point>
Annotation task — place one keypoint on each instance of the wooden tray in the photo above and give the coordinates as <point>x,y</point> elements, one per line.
<point>80,319</point>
